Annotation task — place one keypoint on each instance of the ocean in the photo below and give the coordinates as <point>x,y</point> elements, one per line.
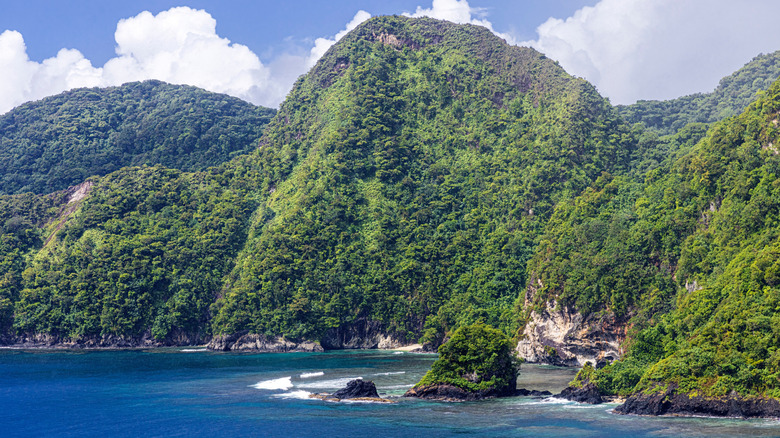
<point>191,392</point>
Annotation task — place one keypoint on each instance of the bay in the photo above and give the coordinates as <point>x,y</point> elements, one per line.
<point>194,392</point>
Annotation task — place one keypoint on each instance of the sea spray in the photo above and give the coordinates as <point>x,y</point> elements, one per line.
<point>328,384</point>
<point>282,383</point>
<point>298,395</point>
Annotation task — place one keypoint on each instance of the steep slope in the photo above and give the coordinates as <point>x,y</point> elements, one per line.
<point>407,177</point>
<point>396,196</point>
<point>732,95</point>
<point>703,229</point>
<point>61,140</point>
<point>605,262</point>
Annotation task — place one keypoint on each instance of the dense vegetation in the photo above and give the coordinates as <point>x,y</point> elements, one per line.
<point>475,358</point>
<point>406,178</point>
<point>705,231</point>
<point>404,181</point>
<point>423,176</point>
<point>62,140</point>
<point>733,94</point>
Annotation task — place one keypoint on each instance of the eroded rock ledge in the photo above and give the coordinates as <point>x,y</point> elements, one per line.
<point>587,393</point>
<point>445,392</point>
<point>49,341</point>
<point>561,336</point>
<point>451,393</point>
<point>256,342</point>
<point>672,402</point>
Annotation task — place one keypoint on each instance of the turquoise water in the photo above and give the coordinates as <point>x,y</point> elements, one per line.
<point>191,392</point>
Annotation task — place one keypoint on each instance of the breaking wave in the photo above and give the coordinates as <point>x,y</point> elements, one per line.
<point>298,395</point>
<point>327,384</point>
<point>281,383</point>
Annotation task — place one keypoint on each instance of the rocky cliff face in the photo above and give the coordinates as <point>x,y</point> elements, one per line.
<point>363,334</point>
<point>255,342</point>
<point>47,340</point>
<point>560,336</point>
<point>672,402</point>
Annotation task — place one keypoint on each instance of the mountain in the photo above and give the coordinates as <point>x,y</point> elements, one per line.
<point>732,95</point>
<point>407,178</point>
<point>395,196</point>
<point>422,177</point>
<point>62,140</point>
<point>688,260</point>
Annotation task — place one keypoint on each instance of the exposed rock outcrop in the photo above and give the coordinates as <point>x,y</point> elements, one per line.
<point>587,393</point>
<point>47,340</point>
<point>522,392</point>
<point>356,389</point>
<point>451,393</point>
<point>561,336</point>
<point>257,342</point>
<point>361,334</point>
<point>672,402</point>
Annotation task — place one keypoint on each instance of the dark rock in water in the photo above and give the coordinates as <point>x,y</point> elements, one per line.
<point>672,402</point>
<point>357,388</point>
<point>587,393</point>
<point>532,393</point>
<point>445,392</point>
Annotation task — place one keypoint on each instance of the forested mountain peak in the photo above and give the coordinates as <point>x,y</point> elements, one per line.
<point>61,140</point>
<point>405,180</point>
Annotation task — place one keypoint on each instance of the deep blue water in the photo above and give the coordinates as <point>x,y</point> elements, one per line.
<point>172,392</point>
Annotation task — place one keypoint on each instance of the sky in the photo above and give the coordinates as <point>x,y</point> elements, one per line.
<point>255,49</point>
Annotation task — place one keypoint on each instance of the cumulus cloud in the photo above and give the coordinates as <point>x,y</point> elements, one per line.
<point>24,79</point>
<point>321,45</point>
<point>659,49</point>
<point>458,11</point>
<point>179,46</point>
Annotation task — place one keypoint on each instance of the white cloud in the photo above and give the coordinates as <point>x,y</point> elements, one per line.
<point>179,46</point>
<point>321,45</point>
<point>659,49</point>
<point>630,49</point>
<point>24,80</point>
<point>458,11</point>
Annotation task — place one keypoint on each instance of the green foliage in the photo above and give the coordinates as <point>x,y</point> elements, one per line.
<point>406,178</point>
<point>708,228</point>
<point>476,358</point>
<point>145,253</point>
<point>62,140</point>
<point>422,175</point>
<point>733,94</point>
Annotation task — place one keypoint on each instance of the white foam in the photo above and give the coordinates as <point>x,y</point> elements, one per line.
<point>397,386</point>
<point>307,375</point>
<point>550,400</point>
<point>274,384</point>
<point>391,373</point>
<point>327,384</point>
<point>398,352</point>
<point>298,395</point>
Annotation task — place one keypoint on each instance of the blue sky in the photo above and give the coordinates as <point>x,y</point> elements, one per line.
<point>630,49</point>
<point>263,26</point>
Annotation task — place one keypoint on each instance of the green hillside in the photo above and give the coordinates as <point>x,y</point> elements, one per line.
<point>692,253</point>
<point>403,182</point>
<point>732,95</point>
<point>406,180</point>
<point>422,177</point>
<point>62,140</point>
